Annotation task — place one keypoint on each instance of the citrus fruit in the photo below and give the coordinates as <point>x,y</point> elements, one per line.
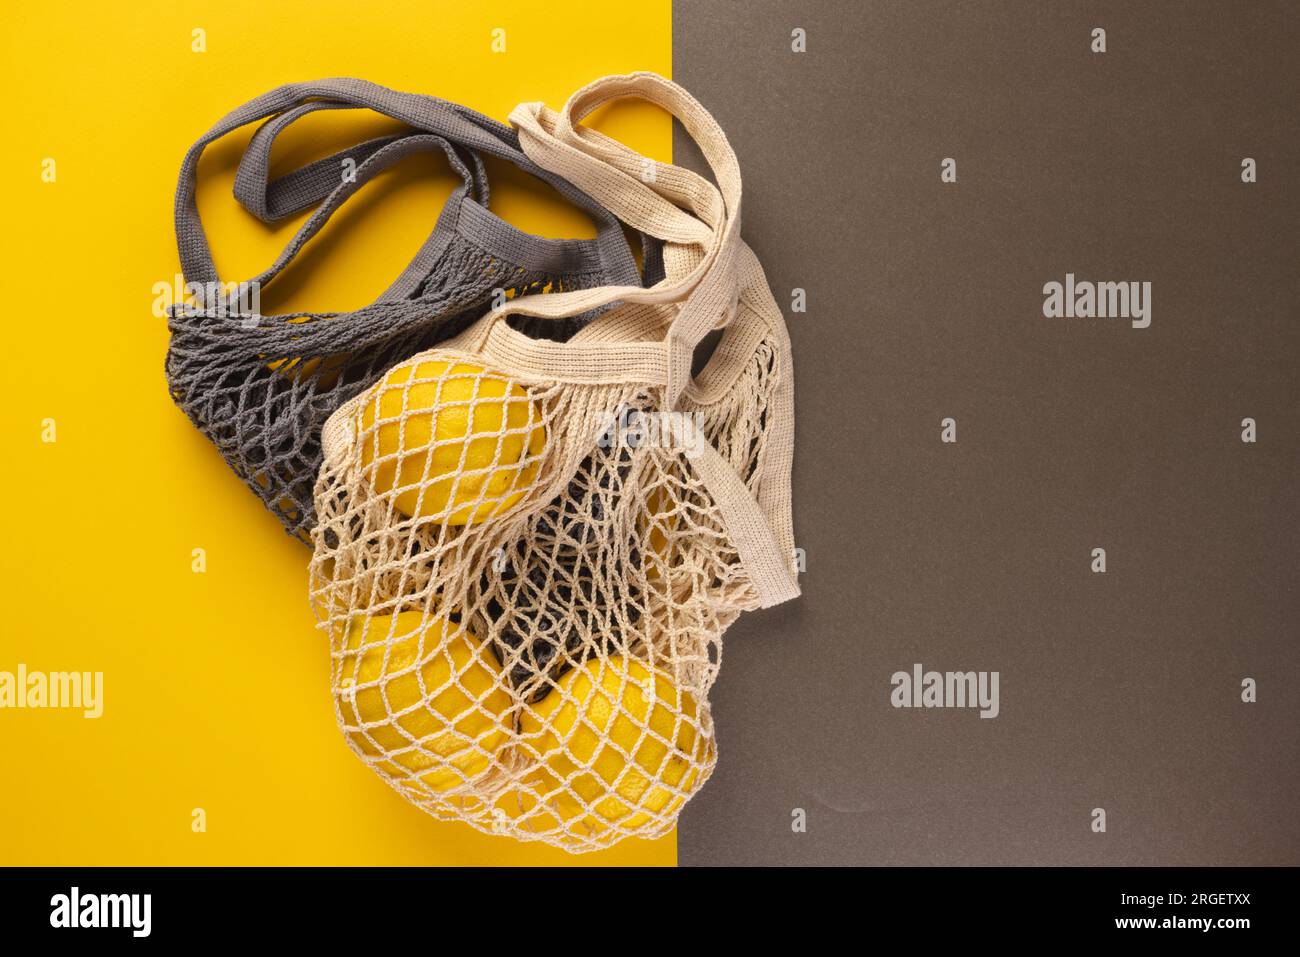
<point>624,738</point>
<point>419,690</point>
<point>455,440</point>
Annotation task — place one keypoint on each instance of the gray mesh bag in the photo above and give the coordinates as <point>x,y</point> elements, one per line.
<point>261,387</point>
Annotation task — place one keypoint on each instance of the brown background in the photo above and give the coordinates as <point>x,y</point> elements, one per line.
<point>1120,690</point>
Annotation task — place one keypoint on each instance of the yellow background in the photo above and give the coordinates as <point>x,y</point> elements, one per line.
<point>216,685</point>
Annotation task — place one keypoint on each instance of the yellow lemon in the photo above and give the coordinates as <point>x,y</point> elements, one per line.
<point>624,737</point>
<point>455,440</point>
<point>433,701</point>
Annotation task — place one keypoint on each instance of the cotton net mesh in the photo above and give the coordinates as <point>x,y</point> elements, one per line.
<point>525,587</point>
<point>527,553</point>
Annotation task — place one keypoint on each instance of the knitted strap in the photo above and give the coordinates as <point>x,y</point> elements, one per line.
<point>686,211</point>
<point>298,190</point>
<point>379,160</point>
<point>272,200</point>
<point>706,295</point>
<point>616,176</point>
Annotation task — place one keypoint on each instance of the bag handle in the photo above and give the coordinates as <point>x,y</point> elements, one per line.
<point>272,200</point>
<point>768,567</point>
<point>192,243</point>
<point>605,169</point>
<point>427,114</point>
<point>615,175</point>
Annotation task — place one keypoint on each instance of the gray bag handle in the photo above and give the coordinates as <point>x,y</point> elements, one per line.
<point>380,159</point>
<point>272,200</point>
<point>442,124</point>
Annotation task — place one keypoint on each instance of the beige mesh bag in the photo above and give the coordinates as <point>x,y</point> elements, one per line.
<point>528,551</point>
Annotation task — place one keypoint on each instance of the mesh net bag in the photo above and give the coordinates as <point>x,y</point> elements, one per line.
<point>527,551</point>
<point>261,387</point>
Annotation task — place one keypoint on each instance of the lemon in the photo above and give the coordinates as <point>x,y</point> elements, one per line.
<point>624,737</point>
<point>434,703</point>
<point>468,446</point>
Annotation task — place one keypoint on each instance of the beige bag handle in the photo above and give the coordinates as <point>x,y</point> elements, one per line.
<point>613,174</point>
<point>707,294</point>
